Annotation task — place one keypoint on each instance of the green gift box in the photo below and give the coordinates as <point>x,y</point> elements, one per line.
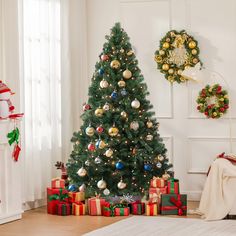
<point>174,204</point>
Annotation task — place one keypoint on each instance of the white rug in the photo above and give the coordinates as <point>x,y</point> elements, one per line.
<point>166,226</point>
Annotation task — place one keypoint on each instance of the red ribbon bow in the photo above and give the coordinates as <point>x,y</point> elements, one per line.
<point>178,204</point>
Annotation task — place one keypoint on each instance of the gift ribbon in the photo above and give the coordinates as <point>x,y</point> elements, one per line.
<point>78,208</point>
<point>109,208</point>
<point>151,209</point>
<point>155,180</point>
<point>178,205</point>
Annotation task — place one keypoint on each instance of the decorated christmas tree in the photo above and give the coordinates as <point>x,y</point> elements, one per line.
<point>118,148</point>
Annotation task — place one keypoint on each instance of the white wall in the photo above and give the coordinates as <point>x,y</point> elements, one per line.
<point>192,141</point>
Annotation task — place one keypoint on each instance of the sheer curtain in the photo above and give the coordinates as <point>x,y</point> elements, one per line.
<point>41,56</point>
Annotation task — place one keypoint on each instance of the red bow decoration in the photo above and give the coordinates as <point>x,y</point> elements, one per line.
<point>178,204</point>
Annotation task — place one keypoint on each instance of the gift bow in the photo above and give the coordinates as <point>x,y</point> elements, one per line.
<point>109,207</point>
<point>61,196</point>
<point>178,204</point>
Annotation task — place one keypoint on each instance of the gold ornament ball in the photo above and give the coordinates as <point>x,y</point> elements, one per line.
<point>158,59</point>
<point>115,64</point>
<point>192,44</point>
<point>124,114</point>
<point>162,52</point>
<point>165,67</point>
<point>122,50</point>
<point>195,60</point>
<point>214,113</point>
<point>179,72</point>
<point>90,131</point>
<point>109,153</point>
<point>121,185</point>
<point>149,124</point>
<point>160,158</point>
<point>171,71</point>
<point>113,131</point>
<point>121,83</point>
<point>194,51</point>
<point>171,78</point>
<point>99,112</point>
<point>130,53</point>
<point>166,45</point>
<point>127,74</point>
<point>101,184</point>
<point>182,79</point>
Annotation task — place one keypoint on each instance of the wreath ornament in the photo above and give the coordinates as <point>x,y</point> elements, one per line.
<point>213,101</point>
<point>178,51</point>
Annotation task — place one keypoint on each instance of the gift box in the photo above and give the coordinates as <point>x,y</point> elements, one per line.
<point>51,204</point>
<point>174,204</point>
<point>63,209</point>
<point>95,205</point>
<point>58,183</point>
<point>173,186</point>
<point>155,194</point>
<point>78,208</point>
<point>151,209</point>
<point>157,182</point>
<point>121,211</point>
<point>108,209</point>
<point>137,208</point>
<point>76,196</point>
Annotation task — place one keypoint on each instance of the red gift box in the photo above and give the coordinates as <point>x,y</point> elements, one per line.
<point>137,208</point>
<point>151,209</point>
<point>157,182</point>
<point>95,205</point>
<point>58,183</point>
<point>107,209</point>
<point>63,208</point>
<point>121,211</point>
<point>51,205</point>
<point>173,186</point>
<point>155,194</point>
<point>78,208</point>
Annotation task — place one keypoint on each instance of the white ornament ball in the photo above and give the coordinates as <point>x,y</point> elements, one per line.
<point>159,165</point>
<point>97,160</point>
<point>135,103</point>
<point>82,172</point>
<point>106,107</point>
<point>101,184</point>
<point>90,131</point>
<point>149,137</point>
<point>82,188</point>
<point>121,185</point>
<point>134,125</point>
<point>109,153</point>
<point>104,84</point>
<point>106,192</point>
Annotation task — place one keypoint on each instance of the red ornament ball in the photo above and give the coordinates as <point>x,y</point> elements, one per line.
<point>206,113</point>
<point>100,129</point>
<point>91,147</point>
<point>104,57</point>
<point>222,109</point>
<point>86,107</point>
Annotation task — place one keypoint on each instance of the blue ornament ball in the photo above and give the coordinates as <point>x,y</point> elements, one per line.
<point>114,95</point>
<point>101,71</point>
<point>147,167</point>
<point>119,165</point>
<point>123,92</point>
<point>72,188</point>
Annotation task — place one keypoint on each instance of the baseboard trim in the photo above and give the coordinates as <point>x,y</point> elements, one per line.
<point>11,217</point>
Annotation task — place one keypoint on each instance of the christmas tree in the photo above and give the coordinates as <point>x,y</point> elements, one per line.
<point>118,148</point>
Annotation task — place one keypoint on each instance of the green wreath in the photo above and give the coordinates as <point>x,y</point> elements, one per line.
<point>178,51</point>
<point>213,101</point>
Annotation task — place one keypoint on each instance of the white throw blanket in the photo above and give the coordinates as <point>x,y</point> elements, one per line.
<point>219,194</point>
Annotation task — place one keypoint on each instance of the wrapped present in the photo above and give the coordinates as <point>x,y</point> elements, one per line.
<point>76,196</point>
<point>151,209</point>
<point>173,186</point>
<point>157,182</point>
<point>52,199</point>
<point>63,209</point>
<point>121,210</point>
<point>155,194</point>
<point>58,183</point>
<point>108,209</point>
<point>137,208</point>
<point>95,205</point>
<point>174,204</point>
<point>78,208</point>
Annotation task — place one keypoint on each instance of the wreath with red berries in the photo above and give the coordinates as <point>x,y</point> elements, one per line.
<point>213,101</point>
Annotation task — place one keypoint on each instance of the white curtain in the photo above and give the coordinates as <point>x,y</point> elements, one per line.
<point>41,56</point>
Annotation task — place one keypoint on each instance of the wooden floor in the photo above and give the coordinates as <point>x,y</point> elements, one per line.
<point>38,223</point>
